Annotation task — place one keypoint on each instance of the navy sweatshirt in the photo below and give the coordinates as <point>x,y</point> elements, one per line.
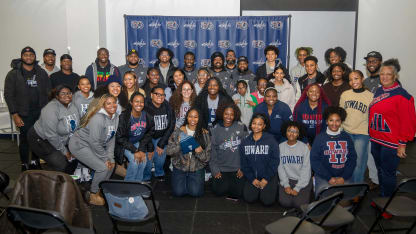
<point>259,159</point>
<point>309,118</point>
<point>281,113</point>
<point>333,156</point>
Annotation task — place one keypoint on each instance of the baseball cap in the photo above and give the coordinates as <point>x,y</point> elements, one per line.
<point>242,59</point>
<point>133,51</point>
<point>27,49</point>
<point>49,51</point>
<point>374,54</point>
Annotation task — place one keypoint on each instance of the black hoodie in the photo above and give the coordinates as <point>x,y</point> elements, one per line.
<point>303,81</point>
<point>16,89</point>
<point>164,120</point>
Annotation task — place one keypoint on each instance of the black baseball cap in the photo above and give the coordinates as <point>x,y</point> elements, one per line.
<point>27,49</point>
<point>242,59</point>
<point>66,56</point>
<point>49,51</point>
<point>374,54</point>
<point>133,51</point>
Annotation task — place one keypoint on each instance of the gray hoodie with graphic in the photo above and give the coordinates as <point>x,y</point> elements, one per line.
<point>225,156</point>
<point>81,103</point>
<point>98,135</point>
<point>57,123</point>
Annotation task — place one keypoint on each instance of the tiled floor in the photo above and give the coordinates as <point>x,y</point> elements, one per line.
<point>211,214</point>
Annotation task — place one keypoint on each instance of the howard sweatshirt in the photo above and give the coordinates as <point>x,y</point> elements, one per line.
<point>82,103</point>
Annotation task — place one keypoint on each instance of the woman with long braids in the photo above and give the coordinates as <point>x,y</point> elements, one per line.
<point>190,149</point>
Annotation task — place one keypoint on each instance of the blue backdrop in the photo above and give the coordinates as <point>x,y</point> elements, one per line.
<point>247,35</point>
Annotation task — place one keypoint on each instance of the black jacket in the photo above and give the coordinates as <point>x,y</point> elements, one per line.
<point>122,136</point>
<point>262,71</point>
<point>163,129</point>
<point>201,104</point>
<point>165,80</point>
<point>303,81</point>
<point>16,90</point>
<point>147,89</point>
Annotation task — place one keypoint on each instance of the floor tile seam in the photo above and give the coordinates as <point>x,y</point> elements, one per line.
<point>193,217</point>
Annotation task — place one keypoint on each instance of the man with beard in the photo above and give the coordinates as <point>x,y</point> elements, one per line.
<point>189,67</point>
<point>231,59</point>
<point>99,71</point>
<point>134,66</point>
<point>242,73</point>
<point>65,75</point>
<point>217,69</point>
<point>164,64</point>
<point>49,58</point>
<point>373,63</point>
<point>26,90</point>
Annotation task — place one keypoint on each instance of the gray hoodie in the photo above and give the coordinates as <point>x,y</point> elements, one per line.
<point>225,155</point>
<point>245,108</point>
<point>57,123</point>
<point>294,164</point>
<point>98,135</point>
<point>81,103</point>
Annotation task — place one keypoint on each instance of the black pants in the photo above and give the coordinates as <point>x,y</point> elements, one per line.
<point>267,195</point>
<point>29,121</point>
<point>228,185</point>
<point>54,158</point>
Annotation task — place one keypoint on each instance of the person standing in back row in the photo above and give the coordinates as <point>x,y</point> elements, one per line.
<point>100,70</point>
<point>133,64</point>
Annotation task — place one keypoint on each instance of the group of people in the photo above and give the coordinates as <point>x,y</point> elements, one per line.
<point>261,136</point>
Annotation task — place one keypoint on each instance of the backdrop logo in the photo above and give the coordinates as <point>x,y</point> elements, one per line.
<point>175,62</point>
<point>225,25</point>
<point>207,25</point>
<point>152,62</point>
<point>224,44</point>
<point>191,25</point>
<point>190,44</point>
<point>174,44</point>
<point>243,25</point>
<point>173,25</point>
<point>260,25</point>
<point>156,43</point>
<point>258,62</point>
<point>207,44</point>
<point>276,43</point>
<point>155,24</point>
<point>241,44</point>
<point>276,24</point>
<point>259,44</point>
<point>136,24</point>
<point>140,43</point>
<point>205,62</point>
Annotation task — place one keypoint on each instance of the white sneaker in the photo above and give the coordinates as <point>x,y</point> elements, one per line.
<point>86,176</point>
<point>207,176</point>
<point>78,174</point>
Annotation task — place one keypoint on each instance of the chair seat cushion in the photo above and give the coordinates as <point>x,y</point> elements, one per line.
<point>400,206</point>
<point>287,224</point>
<point>339,216</point>
<point>149,216</point>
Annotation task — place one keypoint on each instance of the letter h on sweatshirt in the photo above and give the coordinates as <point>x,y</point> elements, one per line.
<point>334,151</point>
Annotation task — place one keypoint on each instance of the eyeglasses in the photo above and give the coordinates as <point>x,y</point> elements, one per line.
<point>65,94</point>
<point>203,75</point>
<point>159,94</point>
<point>292,131</point>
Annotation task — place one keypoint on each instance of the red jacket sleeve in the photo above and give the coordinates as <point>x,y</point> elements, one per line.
<point>407,120</point>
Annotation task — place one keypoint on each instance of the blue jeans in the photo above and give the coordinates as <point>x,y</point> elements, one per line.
<point>387,161</point>
<point>361,147</point>
<point>188,183</point>
<point>322,183</point>
<point>134,169</point>
<point>159,161</point>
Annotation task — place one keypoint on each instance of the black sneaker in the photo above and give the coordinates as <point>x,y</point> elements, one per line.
<point>160,178</point>
<point>35,165</point>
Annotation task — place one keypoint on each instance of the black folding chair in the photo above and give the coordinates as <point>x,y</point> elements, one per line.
<point>322,208</point>
<point>39,221</point>
<point>4,183</point>
<point>397,205</point>
<point>122,188</point>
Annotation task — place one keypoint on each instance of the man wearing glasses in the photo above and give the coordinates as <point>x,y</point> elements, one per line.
<point>26,91</point>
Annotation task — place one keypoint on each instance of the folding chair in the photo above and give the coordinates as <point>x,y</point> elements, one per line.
<point>322,208</point>
<point>122,188</point>
<point>4,183</point>
<point>397,205</point>
<point>31,219</point>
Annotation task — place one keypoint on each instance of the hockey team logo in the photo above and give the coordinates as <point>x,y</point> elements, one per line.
<point>190,44</point>
<point>243,25</point>
<point>152,62</point>
<point>156,43</point>
<point>174,44</point>
<point>276,24</point>
<point>175,62</point>
<point>224,44</point>
<point>137,24</point>
<point>172,25</point>
<point>205,62</point>
<point>260,25</point>
<point>337,152</point>
<point>275,43</point>
<point>208,44</point>
<point>207,25</point>
<point>140,43</point>
<point>224,25</point>
<point>191,25</point>
<point>241,44</point>
<point>155,24</point>
<point>259,44</point>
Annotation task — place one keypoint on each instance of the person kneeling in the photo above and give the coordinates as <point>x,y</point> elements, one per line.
<point>259,156</point>
<point>190,149</point>
<point>294,168</point>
